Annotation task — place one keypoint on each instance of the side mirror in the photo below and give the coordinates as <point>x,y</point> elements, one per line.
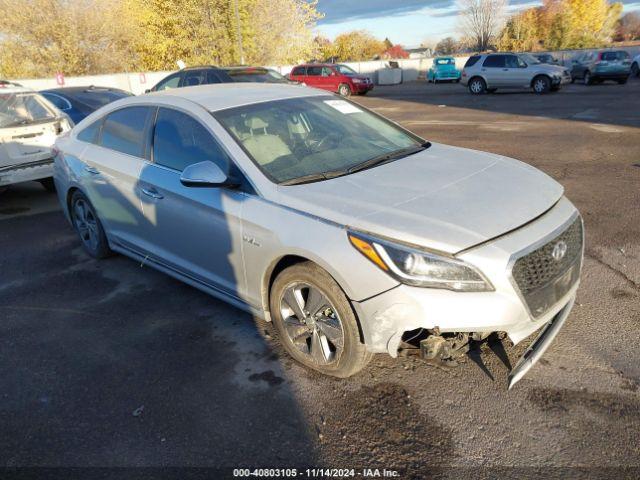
<point>205,174</point>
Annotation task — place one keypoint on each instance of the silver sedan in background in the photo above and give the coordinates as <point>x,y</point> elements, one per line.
<point>353,235</point>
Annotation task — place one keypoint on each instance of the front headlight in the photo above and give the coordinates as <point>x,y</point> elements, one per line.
<point>419,268</point>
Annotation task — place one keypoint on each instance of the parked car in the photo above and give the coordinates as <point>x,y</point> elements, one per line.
<point>333,77</point>
<point>635,66</point>
<point>488,72</point>
<point>348,232</point>
<point>546,58</point>
<point>192,76</point>
<point>78,102</point>
<point>29,126</point>
<point>443,69</point>
<point>255,74</point>
<point>596,67</point>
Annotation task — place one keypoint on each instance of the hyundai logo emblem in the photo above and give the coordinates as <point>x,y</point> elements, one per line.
<point>559,251</point>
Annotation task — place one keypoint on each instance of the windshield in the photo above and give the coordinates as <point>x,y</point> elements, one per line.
<point>299,137</point>
<point>445,61</point>
<point>260,75</point>
<point>529,59</point>
<point>22,109</point>
<point>344,70</point>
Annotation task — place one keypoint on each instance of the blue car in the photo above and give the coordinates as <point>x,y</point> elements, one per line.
<point>79,102</point>
<point>443,69</point>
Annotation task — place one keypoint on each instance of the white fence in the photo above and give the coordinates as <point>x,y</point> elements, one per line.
<point>137,83</point>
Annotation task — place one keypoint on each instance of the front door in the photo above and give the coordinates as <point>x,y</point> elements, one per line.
<point>193,230</point>
<point>518,73</point>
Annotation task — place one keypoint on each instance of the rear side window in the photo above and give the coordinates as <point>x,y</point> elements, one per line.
<point>180,140</point>
<point>123,130</point>
<point>472,61</point>
<point>314,71</point>
<point>298,71</point>
<point>613,56</point>
<point>494,61</point>
<point>90,134</point>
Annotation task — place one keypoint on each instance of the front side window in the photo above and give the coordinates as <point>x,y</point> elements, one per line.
<point>494,61</point>
<point>193,78</point>
<point>293,138</point>
<point>18,109</point>
<point>344,70</point>
<point>511,61</point>
<point>171,82</point>
<point>123,130</point>
<point>180,140</point>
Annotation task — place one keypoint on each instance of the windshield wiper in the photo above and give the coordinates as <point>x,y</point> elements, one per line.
<point>317,177</point>
<point>314,177</point>
<point>385,157</point>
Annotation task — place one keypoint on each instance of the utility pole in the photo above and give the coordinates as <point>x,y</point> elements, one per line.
<point>235,6</point>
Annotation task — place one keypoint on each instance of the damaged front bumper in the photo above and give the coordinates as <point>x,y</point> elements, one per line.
<point>386,317</point>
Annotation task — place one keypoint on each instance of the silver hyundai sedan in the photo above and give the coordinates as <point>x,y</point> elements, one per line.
<point>352,234</point>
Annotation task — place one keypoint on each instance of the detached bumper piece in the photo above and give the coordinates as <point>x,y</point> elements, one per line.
<point>539,345</point>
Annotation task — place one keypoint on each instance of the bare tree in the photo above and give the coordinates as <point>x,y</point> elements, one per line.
<point>481,21</point>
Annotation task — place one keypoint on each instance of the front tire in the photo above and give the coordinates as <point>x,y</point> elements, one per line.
<point>315,322</point>
<point>344,90</point>
<point>635,69</point>
<point>588,79</point>
<point>477,86</point>
<point>88,226</point>
<point>541,84</point>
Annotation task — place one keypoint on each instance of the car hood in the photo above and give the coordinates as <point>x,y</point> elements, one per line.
<point>444,198</point>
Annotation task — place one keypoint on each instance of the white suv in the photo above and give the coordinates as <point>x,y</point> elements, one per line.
<point>29,126</point>
<point>489,72</point>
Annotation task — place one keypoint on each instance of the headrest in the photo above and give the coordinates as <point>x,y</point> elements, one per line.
<point>255,122</point>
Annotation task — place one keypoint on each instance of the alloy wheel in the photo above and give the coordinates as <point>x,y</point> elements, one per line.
<point>476,86</point>
<point>539,85</point>
<point>311,322</point>
<point>86,224</point>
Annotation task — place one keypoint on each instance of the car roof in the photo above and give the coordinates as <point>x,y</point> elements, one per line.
<point>221,96</point>
<point>9,87</point>
<point>83,89</point>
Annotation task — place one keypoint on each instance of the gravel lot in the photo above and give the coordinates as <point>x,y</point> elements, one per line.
<point>110,364</point>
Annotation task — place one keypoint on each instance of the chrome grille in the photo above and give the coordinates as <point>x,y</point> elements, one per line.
<point>546,274</point>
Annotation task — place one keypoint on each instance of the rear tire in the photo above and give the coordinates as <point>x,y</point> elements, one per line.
<point>344,90</point>
<point>635,69</point>
<point>587,79</point>
<point>48,184</point>
<point>477,86</point>
<point>88,226</point>
<point>310,341</point>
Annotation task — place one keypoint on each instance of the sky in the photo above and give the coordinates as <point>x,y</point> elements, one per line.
<point>407,22</point>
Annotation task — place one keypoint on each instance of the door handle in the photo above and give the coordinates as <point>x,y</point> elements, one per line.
<point>91,170</point>
<point>152,192</point>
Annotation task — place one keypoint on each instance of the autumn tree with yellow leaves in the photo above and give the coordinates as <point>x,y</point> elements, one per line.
<point>561,24</point>
<point>81,37</point>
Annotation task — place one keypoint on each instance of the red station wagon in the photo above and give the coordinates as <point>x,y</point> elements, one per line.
<point>333,77</point>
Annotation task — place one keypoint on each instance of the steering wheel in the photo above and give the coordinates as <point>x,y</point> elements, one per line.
<point>319,145</point>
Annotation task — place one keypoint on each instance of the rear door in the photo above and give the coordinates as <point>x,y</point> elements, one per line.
<point>494,70</point>
<point>314,77</point>
<point>193,230</point>
<point>112,169</point>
